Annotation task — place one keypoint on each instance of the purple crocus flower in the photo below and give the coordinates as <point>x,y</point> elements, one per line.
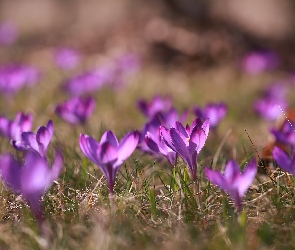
<point>259,61</point>
<point>187,141</point>
<point>109,154</point>
<point>167,119</point>
<point>15,77</point>
<point>286,134</point>
<point>215,112</point>
<point>233,181</point>
<point>157,104</point>
<point>30,179</point>
<point>66,58</point>
<point>284,160</point>
<point>12,129</point>
<point>87,82</point>
<point>76,110</point>
<point>8,33</point>
<point>38,142</point>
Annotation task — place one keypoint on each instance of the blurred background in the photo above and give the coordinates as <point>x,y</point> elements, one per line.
<point>172,32</point>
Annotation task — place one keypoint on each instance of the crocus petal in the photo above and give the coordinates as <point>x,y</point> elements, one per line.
<point>34,175</point>
<point>179,144</point>
<point>50,127</point>
<point>165,133</point>
<point>43,138</point>
<point>10,172</point>
<point>89,147</point>
<point>244,181</point>
<point>110,137</point>
<point>150,141</point>
<point>232,171</point>
<point>107,153</point>
<point>282,159</point>
<point>182,131</point>
<point>29,138</point>
<point>216,178</point>
<point>197,139</point>
<point>20,145</point>
<point>127,146</point>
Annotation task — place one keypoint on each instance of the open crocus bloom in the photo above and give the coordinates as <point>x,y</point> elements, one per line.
<point>12,129</point>
<point>187,141</point>
<point>30,179</point>
<point>284,160</point>
<point>76,110</point>
<point>109,154</point>
<point>38,142</point>
<point>233,181</point>
<point>215,112</point>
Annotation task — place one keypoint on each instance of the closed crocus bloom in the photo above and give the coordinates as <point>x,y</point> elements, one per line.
<point>38,142</point>
<point>12,129</point>
<point>187,141</point>
<point>109,154</point>
<point>233,181</point>
<point>285,134</point>
<point>31,179</point>
<point>76,110</point>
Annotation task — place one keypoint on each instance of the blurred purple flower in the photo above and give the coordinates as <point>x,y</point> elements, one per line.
<point>76,110</point>
<point>286,134</point>
<point>122,68</point>
<point>30,179</point>
<point>270,109</point>
<point>187,141</point>
<point>259,61</point>
<point>66,58</point>
<point>38,142</point>
<point>8,33</point>
<point>272,102</point>
<point>15,77</point>
<point>215,112</point>
<point>283,160</point>
<point>233,181</point>
<point>12,129</point>
<point>109,154</point>
<point>87,82</point>
<point>157,104</point>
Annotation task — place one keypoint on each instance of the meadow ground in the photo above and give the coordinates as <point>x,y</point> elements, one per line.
<point>155,206</point>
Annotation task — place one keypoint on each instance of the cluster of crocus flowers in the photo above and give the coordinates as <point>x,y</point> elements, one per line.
<point>76,110</point>
<point>66,58</point>
<point>109,154</point>
<point>8,33</point>
<point>12,129</point>
<point>187,141</point>
<point>233,181</point>
<point>38,142</point>
<point>215,112</point>
<point>259,61</point>
<point>31,178</point>
<point>14,77</point>
<point>272,102</point>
